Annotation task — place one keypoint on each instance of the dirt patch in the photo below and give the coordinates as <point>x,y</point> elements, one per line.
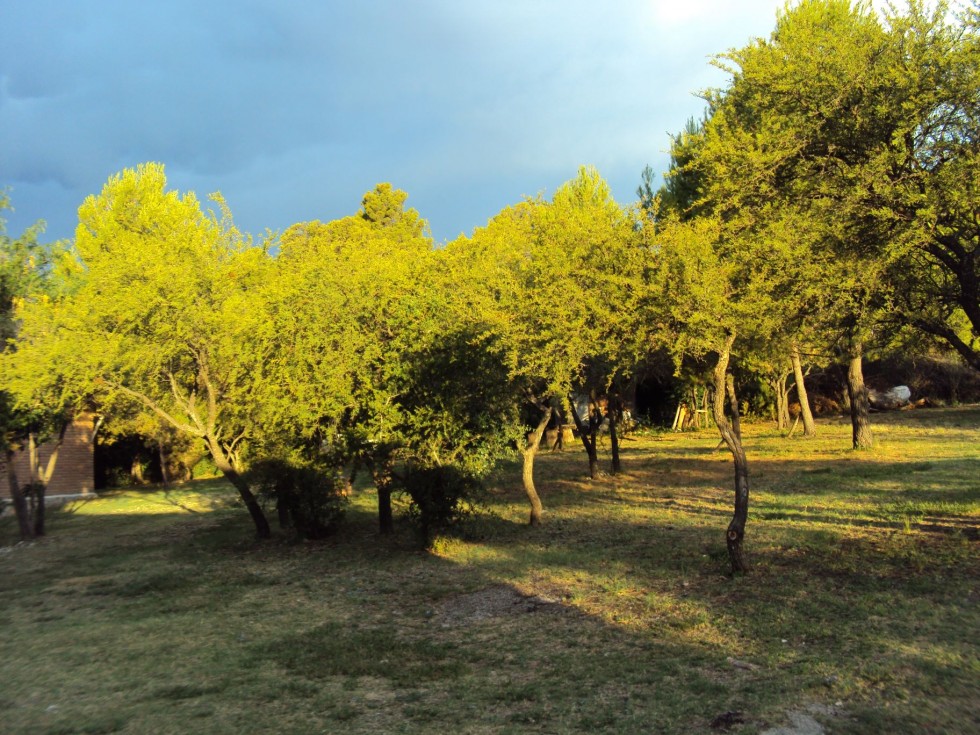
<point>802,722</point>
<point>492,602</point>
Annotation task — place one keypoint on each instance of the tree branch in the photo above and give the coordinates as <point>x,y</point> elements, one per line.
<point>153,406</point>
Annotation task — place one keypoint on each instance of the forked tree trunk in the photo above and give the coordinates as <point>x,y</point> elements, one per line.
<point>809,427</point>
<point>588,437</point>
<point>21,510</point>
<point>40,477</point>
<point>857,393</point>
<point>231,473</point>
<point>735,535</point>
<point>778,385</point>
<point>527,474</point>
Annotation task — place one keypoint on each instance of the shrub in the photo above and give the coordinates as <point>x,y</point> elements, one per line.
<point>440,497</point>
<point>309,499</point>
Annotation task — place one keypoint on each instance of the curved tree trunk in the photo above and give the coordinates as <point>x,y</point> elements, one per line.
<point>809,427</point>
<point>527,475</point>
<point>733,404</point>
<point>225,466</point>
<point>735,536</point>
<point>857,392</point>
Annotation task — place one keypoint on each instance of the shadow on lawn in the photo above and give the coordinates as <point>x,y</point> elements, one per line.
<point>587,624</point>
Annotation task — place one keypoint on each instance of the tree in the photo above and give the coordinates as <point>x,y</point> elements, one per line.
<point>682,191</point>
<point>708,287</point>
<point>346,310</point>
<point>160,309</point>
<point>554,284</point>
<point>809,122</point>
<point>933,176</point>
<point>378,374</point>
<point>25,266</point>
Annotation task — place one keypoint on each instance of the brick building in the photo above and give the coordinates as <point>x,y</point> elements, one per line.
<point>74,472</point>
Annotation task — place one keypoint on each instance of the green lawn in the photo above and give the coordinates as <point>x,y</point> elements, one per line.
<point>152,611</point>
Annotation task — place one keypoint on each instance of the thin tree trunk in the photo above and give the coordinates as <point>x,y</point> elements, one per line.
<point>857,392</point>
<point>778,408</point>
<point>735,536</point>
<point>163,464</point>
<point>136,471</point>
<point>39,508</point>
<point>588,437</point>
<point>733,405</point>
<point>613,412</point>
<point>381,473</point>
<point>527,474</point>
<point>809,427</point>
<point>225,466</point>
<point>784,387</point>
<point>39,477</point>
<point>17,496</point>
<point>350,478</point>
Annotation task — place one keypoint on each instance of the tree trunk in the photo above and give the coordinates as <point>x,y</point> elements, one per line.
<point>735,535</point>
<point>613,412</point>
<point>21,510</point>
<point>39,477</point>
<point>136,471</point>
<point>733,405</point>
<point>39,508</point>
<point>809,427</point>
<point>857,392</point>
<point>588,436</point>
<point>381,473</point>
<point>225,466</point>
<point>778,408</point>
<point>527,474</point>
<point>164,475</point>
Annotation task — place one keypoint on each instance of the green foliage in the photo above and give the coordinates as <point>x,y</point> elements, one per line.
<point>858,132</point>
<point>556,284</point>
<point>682,188</point>
<point>344,309</point>
<point>25,277</point>
<point>457,404</point>
<point>160,309</point>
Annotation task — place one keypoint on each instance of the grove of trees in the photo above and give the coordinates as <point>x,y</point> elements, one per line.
<point>826,204</point>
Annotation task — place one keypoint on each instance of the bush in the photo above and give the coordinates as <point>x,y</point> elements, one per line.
<point>309,499</point>
<point>440,497</point>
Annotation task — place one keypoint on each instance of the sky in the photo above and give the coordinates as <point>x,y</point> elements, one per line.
<point>293,109</point>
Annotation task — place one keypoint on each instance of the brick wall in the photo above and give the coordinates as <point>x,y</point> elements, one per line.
<point>74,473</point>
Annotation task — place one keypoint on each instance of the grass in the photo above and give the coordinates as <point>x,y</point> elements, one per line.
<point>156,612</point>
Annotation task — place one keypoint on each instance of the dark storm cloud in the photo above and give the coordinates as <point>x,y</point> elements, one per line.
<point>294,109</point>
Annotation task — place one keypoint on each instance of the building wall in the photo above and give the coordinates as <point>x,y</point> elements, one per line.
<point>74,473</point>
